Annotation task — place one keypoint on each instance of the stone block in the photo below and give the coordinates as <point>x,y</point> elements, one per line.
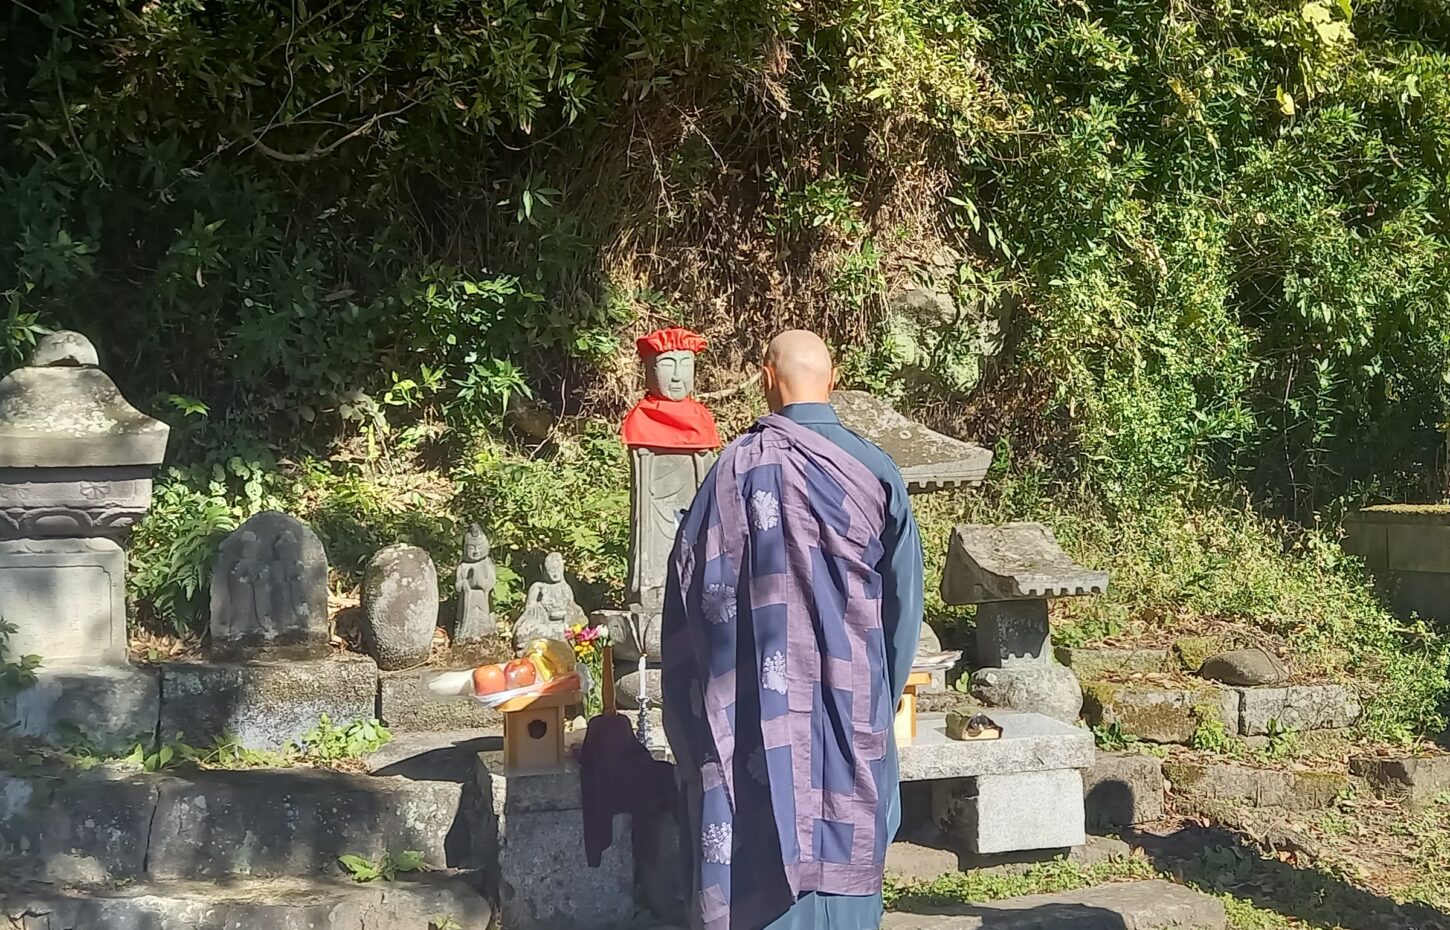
<point>276,822</point>
<point>1159,715</point>
<point>66,598</point>
<point>1029,743</point>
<point>1150,905</point>
<point>1418,781</point>
<point>1226,781</point>
<point>108,708</point>
<point>1123,789</point>
<point>1024,810</point>
<point>406,704</point>
<point>1297,707</point>
<point>534,828</point>
<point>1094,664</point>
<point>411,903</point>
<point>1041,688</point>
<point>264,705</point>
<point>79,826</point>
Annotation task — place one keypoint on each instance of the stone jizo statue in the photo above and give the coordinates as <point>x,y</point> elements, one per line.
<point>672,441</point>
<point>269,588</point>
<point>474,585</point>
<point>550,608</point>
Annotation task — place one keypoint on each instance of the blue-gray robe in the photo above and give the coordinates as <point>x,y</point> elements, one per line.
<point>892,575</point>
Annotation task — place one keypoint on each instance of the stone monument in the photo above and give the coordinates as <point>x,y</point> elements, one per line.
<point>75,474</point>
<point>672,443</point>
<point>400,607</point>
<point>1011,571</point>
<point>269,590</point>
<point>550,608</point>
<point>474,586</point>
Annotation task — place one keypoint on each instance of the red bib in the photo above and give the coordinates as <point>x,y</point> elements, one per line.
<point>658,423</point>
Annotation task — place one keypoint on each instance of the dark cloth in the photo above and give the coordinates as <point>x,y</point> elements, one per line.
<point>617,775</point>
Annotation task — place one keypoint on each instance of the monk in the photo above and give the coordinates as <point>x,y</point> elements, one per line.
<point>793,606</point>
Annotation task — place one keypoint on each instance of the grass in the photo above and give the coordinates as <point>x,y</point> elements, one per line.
<point>1206,564</point>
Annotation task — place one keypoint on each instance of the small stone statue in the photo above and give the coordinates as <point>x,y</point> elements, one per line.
<point>476,579</point>
<point>550,608</point>
<point>672,441</point>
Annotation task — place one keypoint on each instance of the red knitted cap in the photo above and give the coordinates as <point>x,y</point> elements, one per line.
<point>674,339</point>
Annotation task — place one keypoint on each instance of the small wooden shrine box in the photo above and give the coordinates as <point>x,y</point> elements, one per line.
<point>533,733</point>
<point>906,710</point>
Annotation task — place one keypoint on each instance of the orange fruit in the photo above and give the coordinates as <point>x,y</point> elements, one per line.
<point>489,679</point>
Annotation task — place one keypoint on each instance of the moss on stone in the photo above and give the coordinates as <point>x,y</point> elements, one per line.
<point>1192,651</point>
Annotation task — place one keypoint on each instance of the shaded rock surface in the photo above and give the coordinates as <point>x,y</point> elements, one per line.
<point>1418,781</point>
<point>264,705</point>
<point>1123,789</point>
<point>1151,905</point>
<point>412,903</point>
<point>1245,667</point>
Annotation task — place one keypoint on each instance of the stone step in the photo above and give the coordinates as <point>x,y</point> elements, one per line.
<point>1255,787</point>
<point>107,825</point>
<point>1150,905</point>
<point>429,903</point>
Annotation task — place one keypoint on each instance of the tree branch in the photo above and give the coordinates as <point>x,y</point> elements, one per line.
<point>319,150</point>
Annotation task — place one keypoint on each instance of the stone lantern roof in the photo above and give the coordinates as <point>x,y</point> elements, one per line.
<point>929,461</point>
<point>62,411</point>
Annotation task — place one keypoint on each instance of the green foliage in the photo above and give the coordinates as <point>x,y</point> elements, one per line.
<point>15,674</point>
<point>364,870</point>
<point>328,742</point>
<point>1211,735</point>
<point>1113,738</point>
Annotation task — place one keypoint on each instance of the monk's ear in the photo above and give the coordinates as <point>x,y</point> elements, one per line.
<point>835,377</point>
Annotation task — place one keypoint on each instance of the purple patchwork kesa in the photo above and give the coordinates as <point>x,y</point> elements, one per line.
<point>776,685</point>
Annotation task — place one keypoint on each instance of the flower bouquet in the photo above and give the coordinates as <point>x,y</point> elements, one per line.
<point>589,643</point>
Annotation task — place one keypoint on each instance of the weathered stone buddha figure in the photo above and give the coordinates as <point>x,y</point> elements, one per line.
<point>475,582</point>
<point>550,607</point>
<point>672,441</point>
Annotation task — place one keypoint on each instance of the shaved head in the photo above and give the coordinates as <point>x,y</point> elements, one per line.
<point>798,369</point>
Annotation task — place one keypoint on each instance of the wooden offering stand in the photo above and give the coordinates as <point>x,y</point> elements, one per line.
<point>533,726</point>
<point>533,733</point>
<point>906,710</point>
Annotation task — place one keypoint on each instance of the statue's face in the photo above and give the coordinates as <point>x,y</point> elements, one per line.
<point>671,375</point>
<point>554,568</point>
<point>475,549</point>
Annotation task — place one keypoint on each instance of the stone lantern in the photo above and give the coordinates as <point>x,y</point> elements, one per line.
<point>75,475</point>
<point>1010,572</point>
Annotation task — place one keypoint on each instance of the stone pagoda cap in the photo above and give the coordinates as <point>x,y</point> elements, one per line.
<point>1014,561</point>
<point>929,461</point>
<point>62,411</point>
